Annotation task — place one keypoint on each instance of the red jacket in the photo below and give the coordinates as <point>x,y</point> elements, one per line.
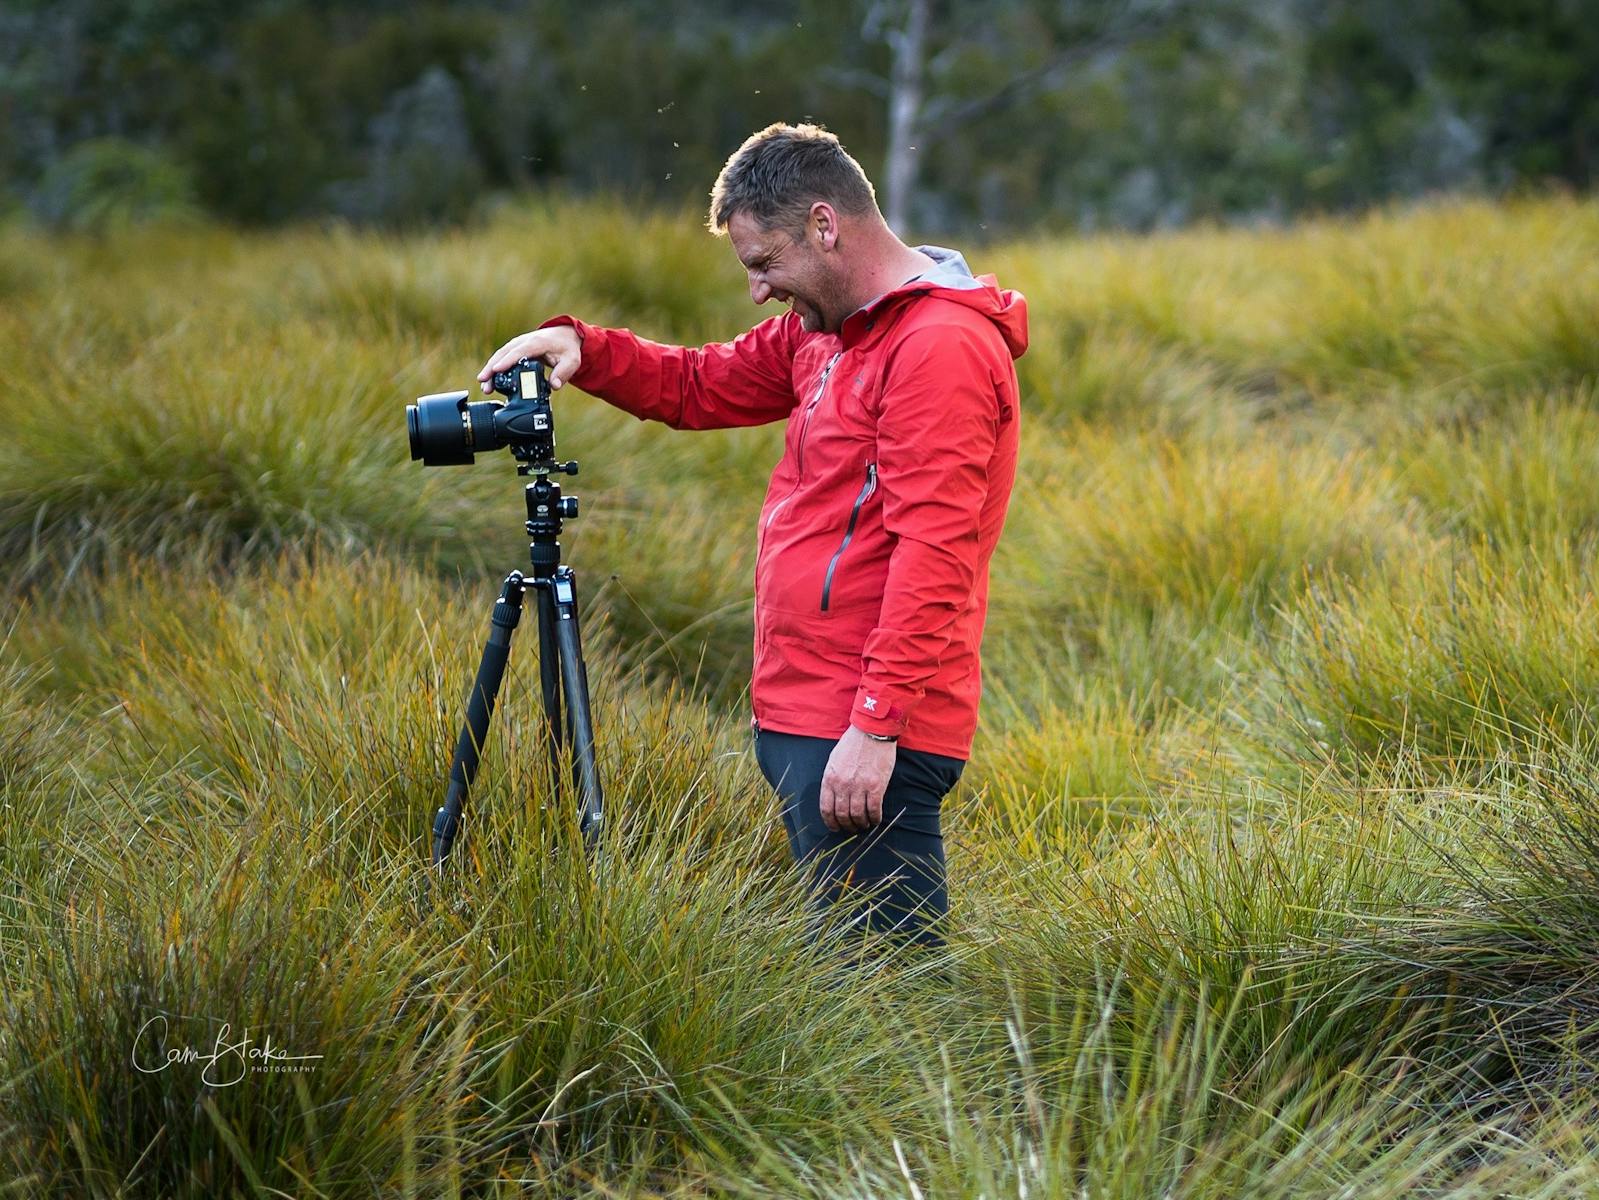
<point>871,572</point>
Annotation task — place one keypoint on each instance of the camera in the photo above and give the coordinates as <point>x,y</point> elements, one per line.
<point>447,429</point>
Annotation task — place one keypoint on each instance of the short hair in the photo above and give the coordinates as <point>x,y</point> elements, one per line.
<point>778,173</point>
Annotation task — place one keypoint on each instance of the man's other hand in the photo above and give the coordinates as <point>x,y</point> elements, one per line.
<point>558,345</point>
<point>854,782</point>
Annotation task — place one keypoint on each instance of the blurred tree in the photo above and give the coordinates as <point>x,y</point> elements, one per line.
<point>419,161</point>
<point>1075,112</point>
<point>1527,72</point>
<point>925,108</point>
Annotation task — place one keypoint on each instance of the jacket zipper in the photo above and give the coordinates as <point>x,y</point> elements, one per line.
<point>849,531</point>
<point>799,452</point>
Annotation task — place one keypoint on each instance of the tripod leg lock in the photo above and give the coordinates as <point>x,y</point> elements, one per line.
<point>447,820</point>
<point>507,612</point>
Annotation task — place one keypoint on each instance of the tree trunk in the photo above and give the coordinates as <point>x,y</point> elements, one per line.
<point>909,47</point>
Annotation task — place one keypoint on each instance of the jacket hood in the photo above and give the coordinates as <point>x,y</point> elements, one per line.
<point>952,279</point>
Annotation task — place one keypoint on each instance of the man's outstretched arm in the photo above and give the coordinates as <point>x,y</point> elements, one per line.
<point>747,381</point>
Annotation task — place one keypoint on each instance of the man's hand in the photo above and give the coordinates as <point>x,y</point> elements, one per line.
<point>559,346</point>
<point>854,782</point>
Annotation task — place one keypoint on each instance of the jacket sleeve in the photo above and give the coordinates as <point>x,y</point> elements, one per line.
<point>937,428</point>
<point>747,381</point>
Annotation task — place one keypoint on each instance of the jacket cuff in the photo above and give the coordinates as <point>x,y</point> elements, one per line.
<point>876,712</point>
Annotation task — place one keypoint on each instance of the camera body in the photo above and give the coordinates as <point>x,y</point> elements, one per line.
<point>447,429</point>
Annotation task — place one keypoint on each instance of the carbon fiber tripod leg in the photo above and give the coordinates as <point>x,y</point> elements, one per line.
<point>580,721</point>
<point>479,708</point>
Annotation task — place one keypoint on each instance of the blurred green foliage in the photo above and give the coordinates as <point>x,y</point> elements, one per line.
<point>108,183</point>
<point>1128,113</point>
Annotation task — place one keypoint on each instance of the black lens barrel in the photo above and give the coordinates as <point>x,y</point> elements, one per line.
<point>446,429</point>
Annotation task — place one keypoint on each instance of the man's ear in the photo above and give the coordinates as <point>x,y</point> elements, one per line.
<point>824,225</point>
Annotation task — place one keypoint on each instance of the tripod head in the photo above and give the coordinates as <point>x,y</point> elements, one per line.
<point>527,391</point>
<point>546,509</point>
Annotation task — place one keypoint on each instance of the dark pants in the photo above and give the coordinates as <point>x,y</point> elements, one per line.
<point>895,868</point>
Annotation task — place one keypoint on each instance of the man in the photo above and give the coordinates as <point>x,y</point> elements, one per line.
<point>893,367</point>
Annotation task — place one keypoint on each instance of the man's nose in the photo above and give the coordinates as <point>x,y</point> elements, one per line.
<point>760,292</point>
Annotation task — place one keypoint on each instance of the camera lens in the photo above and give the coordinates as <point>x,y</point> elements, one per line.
<point>413,426</point>
<point>437,430</point>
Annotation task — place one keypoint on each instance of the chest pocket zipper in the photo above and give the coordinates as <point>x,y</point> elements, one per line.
<point>849,531</point>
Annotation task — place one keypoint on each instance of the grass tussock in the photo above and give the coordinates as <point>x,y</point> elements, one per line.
<point>227,943</point>
<point>1460,662</point>
<point>1273,872</point>
<point>1220,529</point>
<point>1513,957</point>
<point>1523,476</point>
<point>1466,293</point>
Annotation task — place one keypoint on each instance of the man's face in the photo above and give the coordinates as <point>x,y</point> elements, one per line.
<point>794,272</point>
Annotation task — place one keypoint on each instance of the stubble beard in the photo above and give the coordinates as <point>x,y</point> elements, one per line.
<point>819,300</point>
<point>814,317</point>
<point>811,318</point>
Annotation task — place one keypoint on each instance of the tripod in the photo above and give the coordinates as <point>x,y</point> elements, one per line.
<point>562,672</point>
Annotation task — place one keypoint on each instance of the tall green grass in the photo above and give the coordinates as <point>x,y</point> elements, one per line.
<point>1272,872</point>
<point>1525,476</point>
<point>1460,662</point>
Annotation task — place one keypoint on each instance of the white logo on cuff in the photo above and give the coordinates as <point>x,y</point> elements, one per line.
<point>869,704</point>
